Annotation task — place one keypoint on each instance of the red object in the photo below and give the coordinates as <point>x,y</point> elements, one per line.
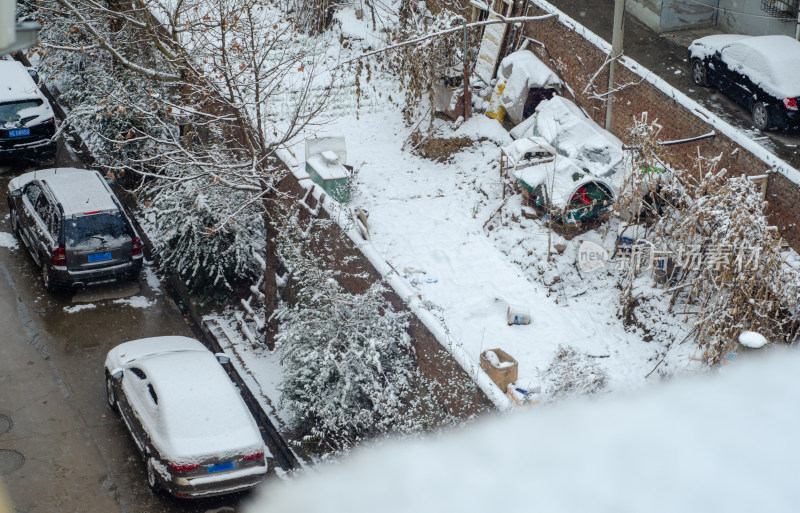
<point>581,194</point>
<point>92,212</point>
<point>790,103</point>
<point>51,121</point>
<point>136,246</point>
<point>59,257</point>
<point>182,467</point>
<point>255,456</point>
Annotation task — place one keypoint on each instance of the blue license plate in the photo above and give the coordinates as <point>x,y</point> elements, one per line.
<point>219,467</point>
<point>99,257</point>
<point>19,132</point>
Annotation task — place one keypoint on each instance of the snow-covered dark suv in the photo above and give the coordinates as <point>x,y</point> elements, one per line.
<point>74,227</point>
<point>27,122</point>
<point>760,73</point>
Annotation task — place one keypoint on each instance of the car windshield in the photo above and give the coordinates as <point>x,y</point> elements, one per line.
<point>101,227</point>
<point>13,111</point>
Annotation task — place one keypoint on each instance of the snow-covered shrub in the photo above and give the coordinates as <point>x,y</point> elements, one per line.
<point>349,364</point>
<point>203,238</point>
<point>350,370</point>
<point>572,373</point>
<point>714,234</point>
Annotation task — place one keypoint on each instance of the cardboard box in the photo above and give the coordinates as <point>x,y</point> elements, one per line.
<point>504,374</point>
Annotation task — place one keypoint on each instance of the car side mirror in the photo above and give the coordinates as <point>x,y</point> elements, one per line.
<point>223,358</point>
<point>116,374</point>
<point>16,193</point>
<point>34,75</point>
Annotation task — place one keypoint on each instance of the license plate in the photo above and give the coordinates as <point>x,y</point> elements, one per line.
<point>219,467</point>
<point>99,257</point>
<point>19,132</point>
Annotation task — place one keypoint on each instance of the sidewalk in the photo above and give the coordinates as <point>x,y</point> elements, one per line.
<point>667,56</point>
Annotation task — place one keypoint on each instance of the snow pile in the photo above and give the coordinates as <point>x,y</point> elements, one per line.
<point>135,302</point>
<point>722,444</point>
<point>78,308</point>
<point>752,340</point>
<point>7,240</point>
<point>772,62</point>
<point>562,124</point>
<point>523,71</point>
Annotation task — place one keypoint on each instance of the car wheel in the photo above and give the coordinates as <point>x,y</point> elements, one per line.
<point>152,477</point>
<point>110,395</point>
<point>47,278</point>
<point>14,221</point>
<point>699,73</point>
<point>761,116</point>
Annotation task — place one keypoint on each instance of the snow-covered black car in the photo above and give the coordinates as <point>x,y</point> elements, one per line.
<point>761,73</point>
<point>189,422</point>
<point>27,122</point>
<point>74,227</point>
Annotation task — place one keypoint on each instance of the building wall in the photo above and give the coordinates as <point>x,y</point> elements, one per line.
<point>755,22</point>
<point>646,11</point>
<point>683,14</point>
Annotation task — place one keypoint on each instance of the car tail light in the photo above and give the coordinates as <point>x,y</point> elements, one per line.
<point>790,103</point>
<point>255,456</point>
<point>51,121</point>
<point>59,257</point>
<point>136,246</point>
<point>182,467</point>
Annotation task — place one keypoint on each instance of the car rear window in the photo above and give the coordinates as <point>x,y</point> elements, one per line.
<point>80,230</point>
<point>13,111</point>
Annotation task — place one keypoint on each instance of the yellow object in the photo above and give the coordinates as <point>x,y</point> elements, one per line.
<point>497,111</point>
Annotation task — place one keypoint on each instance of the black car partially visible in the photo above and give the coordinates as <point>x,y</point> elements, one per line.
<point>760,73</point>
<point>27,122</point>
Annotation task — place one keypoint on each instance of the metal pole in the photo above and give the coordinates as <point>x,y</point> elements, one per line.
<point>464,61</point>
<point>797,30</point>
<point>616,51</point>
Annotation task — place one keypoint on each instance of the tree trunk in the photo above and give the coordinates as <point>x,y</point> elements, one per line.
<point>270,271</point>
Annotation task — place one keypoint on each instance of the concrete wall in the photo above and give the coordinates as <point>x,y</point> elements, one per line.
<point>683,14</point>
<point>664,15</point>
<point>755,23</point>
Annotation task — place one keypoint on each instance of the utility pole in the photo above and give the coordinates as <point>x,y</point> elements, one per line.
<point>797,30</point>
<point>616,52</point>
<point>465,62</point>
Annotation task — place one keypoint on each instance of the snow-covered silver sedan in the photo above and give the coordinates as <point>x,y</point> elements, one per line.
<point>190,423</point>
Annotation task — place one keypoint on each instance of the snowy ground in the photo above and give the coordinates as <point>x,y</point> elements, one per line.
<point>427,219</point>
<point>438,225</point>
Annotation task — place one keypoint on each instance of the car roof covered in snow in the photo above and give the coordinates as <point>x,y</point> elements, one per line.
<point>78,190</point>
<point>200,413</point>
<point>16,84</point>
<point>129,351</point>
<point>772,62</point>
<point>705,46</point>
